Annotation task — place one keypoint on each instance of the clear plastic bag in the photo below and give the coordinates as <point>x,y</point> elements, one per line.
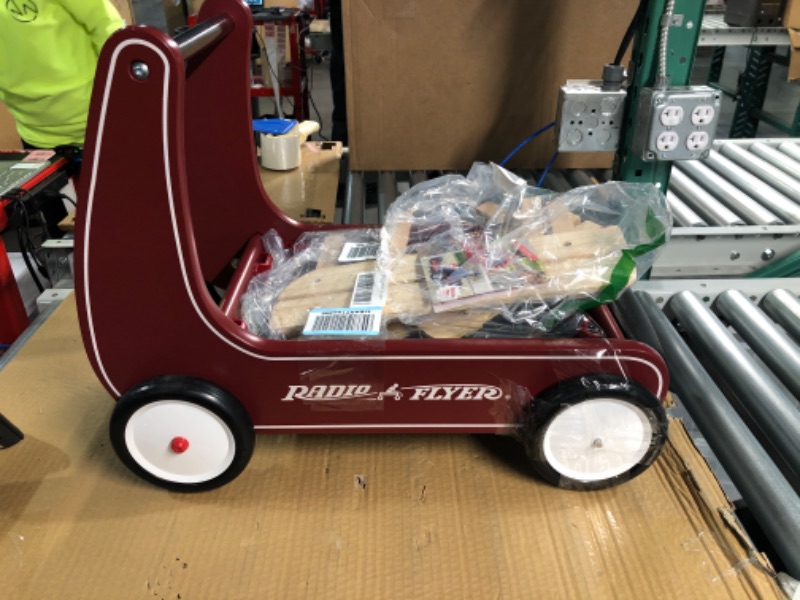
<point>317,286</point>
<point>485,255</point>
<point>535,257</point>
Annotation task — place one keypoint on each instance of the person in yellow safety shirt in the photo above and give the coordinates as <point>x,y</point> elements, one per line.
<point>48,56</point>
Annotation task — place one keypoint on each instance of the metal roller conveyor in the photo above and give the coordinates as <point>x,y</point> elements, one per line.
<point>764,170</point>
<point>762,485</point>
<point>790,149</point>
<point>387,192</point>
<point>709,208</point>
<point>775,157</point>
<point>771,344</point>
<point>784,308</point>
<point>757,390</point>
<point>727,193</point>
<point>684,216</point>
<point>556,181</point>
<point>355,198</point>
<point>771,198</point>
<point>580,178</point>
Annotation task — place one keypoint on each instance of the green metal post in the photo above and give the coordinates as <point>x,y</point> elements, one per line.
<point>752,92</point>
<point>717,60</point>
<point>683,36</point>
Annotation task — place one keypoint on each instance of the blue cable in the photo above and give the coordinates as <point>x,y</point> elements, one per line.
<point>525,141</point>
<point>547,169</point>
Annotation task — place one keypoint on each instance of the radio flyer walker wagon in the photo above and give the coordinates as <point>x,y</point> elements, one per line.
<point>170,195</point>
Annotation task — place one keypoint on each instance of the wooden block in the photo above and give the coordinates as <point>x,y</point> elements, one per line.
<point>455,324</point>
<point>331,249</point>
<point>398,238</point>
<point>582,243</point>
<point>570,278</point>
<point>406,289</point>
<point>330,287</point>
<point>326,281</point>
<point>68,222</point>
<point>488,209</point>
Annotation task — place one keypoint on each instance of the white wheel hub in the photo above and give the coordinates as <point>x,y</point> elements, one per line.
<point>180,441</point>
<point>597,439</point>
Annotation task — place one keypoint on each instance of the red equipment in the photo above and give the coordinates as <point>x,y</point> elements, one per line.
<point>13,318</point>
<point>171,194</point>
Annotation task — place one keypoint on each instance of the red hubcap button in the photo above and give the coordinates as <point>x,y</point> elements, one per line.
<point>179,445</point>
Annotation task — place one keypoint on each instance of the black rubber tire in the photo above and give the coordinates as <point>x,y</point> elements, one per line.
<point>543,411</point>
<point>192,391</point>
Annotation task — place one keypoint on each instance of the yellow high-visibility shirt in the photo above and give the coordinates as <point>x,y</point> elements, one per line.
<point>48,56</point>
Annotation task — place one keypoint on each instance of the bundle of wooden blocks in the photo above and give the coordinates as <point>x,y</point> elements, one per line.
<point>577,258</point>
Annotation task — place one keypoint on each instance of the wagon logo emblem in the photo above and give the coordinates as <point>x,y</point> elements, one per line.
<point>428,393</point>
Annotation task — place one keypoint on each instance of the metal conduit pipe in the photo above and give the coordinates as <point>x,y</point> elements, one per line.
<point>776,202</point>
<point>765,171</point>
<point>783,307</point>
<point>777,158</point>
<point>703,203</point>
<point>790,149</point>
<point>727,193</point>
<point>766,491</point>
<point>756,389</point>
<point>683,215</point>
<point>771,344</point>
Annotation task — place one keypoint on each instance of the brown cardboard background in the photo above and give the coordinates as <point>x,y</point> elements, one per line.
<point>791,16</point>
<point>438,85</point>
<point>432,516</point>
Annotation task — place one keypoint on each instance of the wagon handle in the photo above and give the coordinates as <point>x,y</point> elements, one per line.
<point>202,35</point>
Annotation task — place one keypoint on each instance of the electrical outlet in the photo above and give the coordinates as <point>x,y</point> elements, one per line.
<point>697,141</point>
<point>589,118</point>
<point>667,141</point>
<point>672,115</point>
<point>676,123</point>
<point>703,114</point>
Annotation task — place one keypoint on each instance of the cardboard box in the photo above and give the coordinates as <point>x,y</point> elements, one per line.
<point>794,56</point>
<point>439,85</point>
<point>194,5</point>
<point>348,516</point>
<point>791,20</point>
<point>307,193</point>
<point>791,16</point>
<point>125,10</point>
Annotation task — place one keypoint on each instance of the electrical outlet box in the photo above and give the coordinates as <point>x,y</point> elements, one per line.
<point>589,118</point>
<point>677,123</point>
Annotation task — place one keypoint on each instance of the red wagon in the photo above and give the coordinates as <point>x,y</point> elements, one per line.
<point>171,194</point>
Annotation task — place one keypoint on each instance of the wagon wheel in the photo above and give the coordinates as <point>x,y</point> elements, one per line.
<point>182,433</point>
<point>593,432</point>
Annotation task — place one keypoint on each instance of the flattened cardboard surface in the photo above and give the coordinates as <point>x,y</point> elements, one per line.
<point>425,516</point>
<point>307,193</point>
<point>439,85</point>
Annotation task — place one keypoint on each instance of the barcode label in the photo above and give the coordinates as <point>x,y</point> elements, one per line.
<point>370,290</point>
<point>343,321</point>
<point>356,251</point>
